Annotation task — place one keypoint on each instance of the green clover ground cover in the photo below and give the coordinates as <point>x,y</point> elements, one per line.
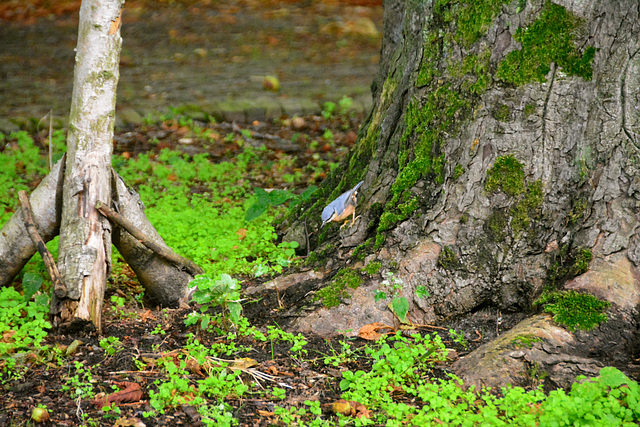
<point>208,227</point>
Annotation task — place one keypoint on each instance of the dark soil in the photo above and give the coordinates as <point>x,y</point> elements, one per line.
<point>306,378</point>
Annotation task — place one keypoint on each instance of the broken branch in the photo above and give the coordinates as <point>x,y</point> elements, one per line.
<point>191,267</point>
<point>59,288</point>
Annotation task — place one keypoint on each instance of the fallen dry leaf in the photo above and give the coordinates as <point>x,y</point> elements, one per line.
<point>342,407</point>
<point>272,370</point>
<point>370,332</point>
<point>242,233</point>
<point>351,408</point>
<point>147,315</point>
<point>131,393</point>
<point>243,363</point>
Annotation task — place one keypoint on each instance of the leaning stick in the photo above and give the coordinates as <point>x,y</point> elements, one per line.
<point>59,288</point>
<point>191,267</point>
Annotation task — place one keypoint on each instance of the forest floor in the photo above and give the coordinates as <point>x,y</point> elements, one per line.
<point>143,335</point>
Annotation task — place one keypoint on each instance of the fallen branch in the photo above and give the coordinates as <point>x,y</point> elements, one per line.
<point>59,288</point>
<point>189,266</point>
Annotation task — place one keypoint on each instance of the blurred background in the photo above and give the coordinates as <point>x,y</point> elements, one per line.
<point>235,59</point>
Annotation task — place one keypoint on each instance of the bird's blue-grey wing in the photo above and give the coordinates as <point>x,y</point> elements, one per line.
<point>327,212</point>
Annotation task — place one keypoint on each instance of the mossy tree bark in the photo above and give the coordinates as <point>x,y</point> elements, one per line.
<point>501,156</point>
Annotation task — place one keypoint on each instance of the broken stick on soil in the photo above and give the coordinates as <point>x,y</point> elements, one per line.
<point>191,267</point>
<point>59,288</point>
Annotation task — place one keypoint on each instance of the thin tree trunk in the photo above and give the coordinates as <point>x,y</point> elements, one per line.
<point>85,236</point>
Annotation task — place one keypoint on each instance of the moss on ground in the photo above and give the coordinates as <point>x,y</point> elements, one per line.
<point>526,341</point>
<point>372,268</point>
<point>336,291</point>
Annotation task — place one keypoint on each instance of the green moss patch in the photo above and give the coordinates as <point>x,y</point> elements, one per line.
<point>473,18</point>
<point>567,264</point>
<point>372,268</point>
<point>549,39</point>
<point>574,310</point>
<point>336,291</point>
<point>448,259</point>
<point>507,175</point>
<point>502,113</point>
<point>525,341</point>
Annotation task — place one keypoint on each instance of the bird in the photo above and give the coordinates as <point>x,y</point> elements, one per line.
<point>342,207</point>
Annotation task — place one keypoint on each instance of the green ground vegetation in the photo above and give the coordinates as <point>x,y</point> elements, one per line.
<point>396,381</point>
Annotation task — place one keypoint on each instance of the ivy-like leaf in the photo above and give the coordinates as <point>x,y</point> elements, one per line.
<point>255,210</point>
<point>400,306</point>
<point>235,310</point>
<point>31,283</point>
<point>278,197</point>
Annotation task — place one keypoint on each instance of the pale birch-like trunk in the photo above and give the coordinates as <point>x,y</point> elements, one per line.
<point>85,236</point>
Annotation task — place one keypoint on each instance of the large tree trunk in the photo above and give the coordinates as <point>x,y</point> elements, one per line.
<point>502,151</point>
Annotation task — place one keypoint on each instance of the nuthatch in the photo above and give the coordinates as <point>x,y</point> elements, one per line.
<point>342,207</point>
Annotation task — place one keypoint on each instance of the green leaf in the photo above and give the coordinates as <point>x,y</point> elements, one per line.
<point>306,194</point>
<point>400,306</point>
<point>379,296</point>
<point>235,309</point>
<point>205,322</point>
<point>31,283</point>
<point>202,297</point>
<point>262,196</point>
<point>612,377</point>
<point>278,197</point>
<point>422,292</point>
<point>255,210</point>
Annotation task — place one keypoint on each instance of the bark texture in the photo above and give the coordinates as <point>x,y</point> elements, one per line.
<point>163,282</point>
<point>502,155</point>
<point>85,236</point>
<point>16,247</point>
